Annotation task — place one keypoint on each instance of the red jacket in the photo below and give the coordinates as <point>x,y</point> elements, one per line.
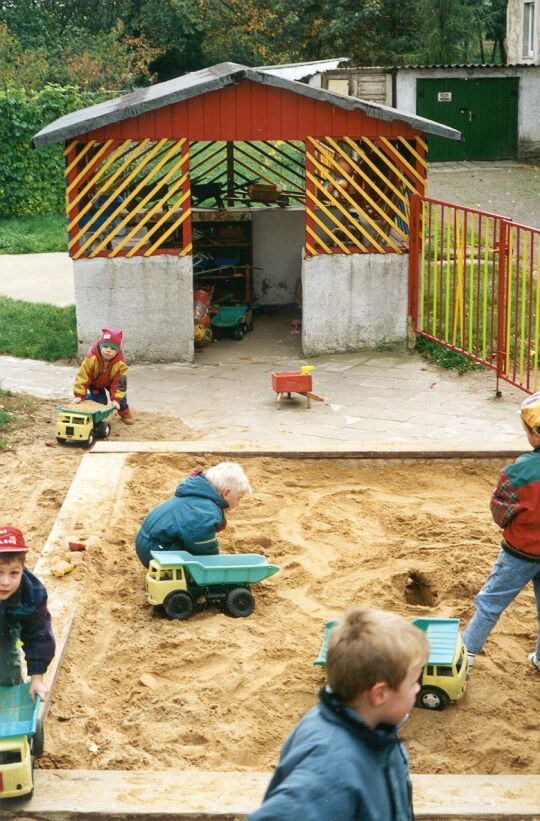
<point>515,504</point>
<point>96,372</point>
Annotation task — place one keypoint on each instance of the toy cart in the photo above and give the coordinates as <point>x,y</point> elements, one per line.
<point>294,382</point>
<point>179,581</point>
<point>21,738</point>
<point>232,320</point>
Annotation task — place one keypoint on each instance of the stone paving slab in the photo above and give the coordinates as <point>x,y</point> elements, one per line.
<point>367,400</point>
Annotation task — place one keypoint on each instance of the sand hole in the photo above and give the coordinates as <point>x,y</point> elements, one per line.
<point>419,590</point>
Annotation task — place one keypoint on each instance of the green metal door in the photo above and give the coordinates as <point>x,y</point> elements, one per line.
<point>484,110</point>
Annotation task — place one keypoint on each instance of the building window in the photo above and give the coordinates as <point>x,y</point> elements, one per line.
<point>528,30</point>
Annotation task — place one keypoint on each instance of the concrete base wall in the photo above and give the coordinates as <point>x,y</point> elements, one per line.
<point>355,301</point>
<point>151,299</point>
<point>278,239</point>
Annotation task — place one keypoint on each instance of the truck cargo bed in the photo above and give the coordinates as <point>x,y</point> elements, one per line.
<point>246,568</point>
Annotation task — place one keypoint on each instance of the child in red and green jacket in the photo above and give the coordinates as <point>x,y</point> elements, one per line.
<point>515,507</point>
<point>104,369</point>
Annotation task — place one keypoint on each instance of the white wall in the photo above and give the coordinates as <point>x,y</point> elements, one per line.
<point>278,239</point>
<point>514,33</point>
<point>528,102</point>
<point>355,301</point>
<point>151,299</point>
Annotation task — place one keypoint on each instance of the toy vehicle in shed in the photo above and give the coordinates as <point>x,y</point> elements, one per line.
<point>232,320</point>
<point>181,581</point>
<point>83,423</point>
<point>21,739</point>
<point>444,676</point>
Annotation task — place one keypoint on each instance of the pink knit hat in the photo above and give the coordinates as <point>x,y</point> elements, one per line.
<point>112,337</point>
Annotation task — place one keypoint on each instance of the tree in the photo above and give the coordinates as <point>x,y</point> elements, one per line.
<point>20,67</point>
<point>446,30</point>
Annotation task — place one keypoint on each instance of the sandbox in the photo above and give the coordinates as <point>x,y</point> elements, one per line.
<point>138,692</point>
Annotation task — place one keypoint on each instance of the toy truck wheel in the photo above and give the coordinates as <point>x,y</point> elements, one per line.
<point>179,606</point>
<point>38,740</point>
<point>240,602</point>
<point>103,430</point>
<point>431,698</point>
<point>60,440</point>
<point>238,332</point>
<point>90,441</point>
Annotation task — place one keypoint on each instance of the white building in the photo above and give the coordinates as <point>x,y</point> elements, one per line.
<point>523,31</point>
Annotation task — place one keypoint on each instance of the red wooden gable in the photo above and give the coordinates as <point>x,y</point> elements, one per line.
<point>249,111</point>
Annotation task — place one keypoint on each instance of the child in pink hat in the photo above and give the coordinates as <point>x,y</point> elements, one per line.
<point>104,370</point>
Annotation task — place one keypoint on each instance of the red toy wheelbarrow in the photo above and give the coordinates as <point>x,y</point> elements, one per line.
<point>288,382</point>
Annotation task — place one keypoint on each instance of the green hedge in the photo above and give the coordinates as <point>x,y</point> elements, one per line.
<point>32,181</point>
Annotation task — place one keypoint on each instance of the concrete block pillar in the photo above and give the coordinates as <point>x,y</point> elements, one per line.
<point>150,298</point>
<point>353,301</point>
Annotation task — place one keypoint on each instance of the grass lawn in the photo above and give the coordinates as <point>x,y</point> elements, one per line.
<point>15,412</point>
<point>37,331</point>
<point>33,235</point>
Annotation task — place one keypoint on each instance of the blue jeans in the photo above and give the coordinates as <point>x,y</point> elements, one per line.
<point>508,577</point>
<point>100,395</point>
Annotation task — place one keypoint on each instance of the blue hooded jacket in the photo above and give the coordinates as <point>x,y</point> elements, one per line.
<point>334,767</point>
<point>188,521</point>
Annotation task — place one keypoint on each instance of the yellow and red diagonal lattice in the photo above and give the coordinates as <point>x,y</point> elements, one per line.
<point>126,198</point>
<point>357,193</point>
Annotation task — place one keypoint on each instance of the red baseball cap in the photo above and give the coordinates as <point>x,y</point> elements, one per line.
<point>11,540</point>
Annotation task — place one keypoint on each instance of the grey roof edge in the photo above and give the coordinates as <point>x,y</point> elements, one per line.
<point>212,79</point>
<point>428,66</point>
<point>137,102</point>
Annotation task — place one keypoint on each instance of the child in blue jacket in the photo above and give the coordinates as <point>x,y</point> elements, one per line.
<point>190,520</point>
<point>344,761</point>
<point>24,617</point>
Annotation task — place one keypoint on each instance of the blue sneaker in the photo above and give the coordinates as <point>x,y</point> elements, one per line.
<point>534,661</point>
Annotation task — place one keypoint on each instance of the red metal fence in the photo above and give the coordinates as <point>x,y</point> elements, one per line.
<point>473,287</point>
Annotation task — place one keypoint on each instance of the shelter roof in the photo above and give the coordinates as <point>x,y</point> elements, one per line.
<point>210,79</point>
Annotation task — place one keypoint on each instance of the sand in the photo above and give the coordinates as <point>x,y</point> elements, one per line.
<point>139,691</point>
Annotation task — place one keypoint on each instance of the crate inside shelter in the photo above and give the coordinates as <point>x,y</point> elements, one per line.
<point>289,382</point>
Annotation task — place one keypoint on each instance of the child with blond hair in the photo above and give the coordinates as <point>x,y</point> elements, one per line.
<point>192,517</point>
<point>344,761</point>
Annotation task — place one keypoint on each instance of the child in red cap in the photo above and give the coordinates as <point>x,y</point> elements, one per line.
<point>23,616</point>
<point>104,369</point>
